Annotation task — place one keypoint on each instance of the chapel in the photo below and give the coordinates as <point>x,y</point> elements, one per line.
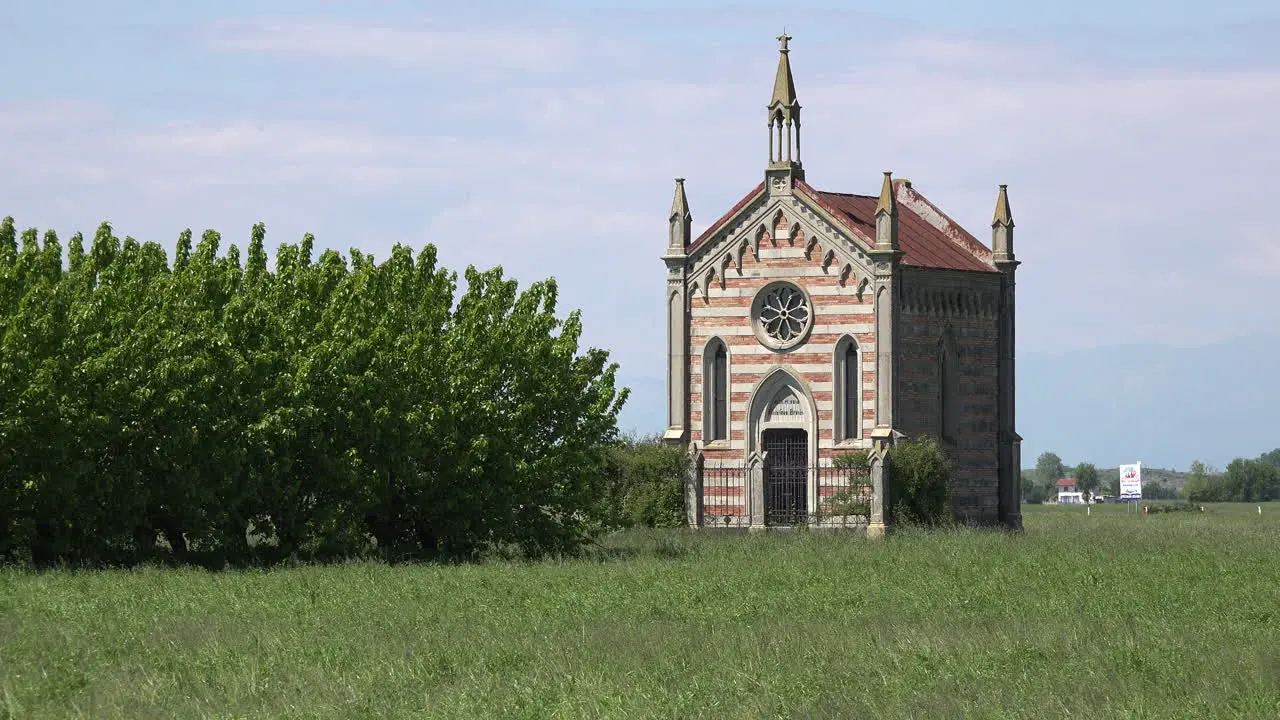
<point>805,323</point>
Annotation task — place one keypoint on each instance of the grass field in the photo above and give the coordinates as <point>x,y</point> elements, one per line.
<point>1106,615</point>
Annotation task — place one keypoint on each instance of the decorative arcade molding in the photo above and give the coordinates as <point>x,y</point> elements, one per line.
<point>951,302</point>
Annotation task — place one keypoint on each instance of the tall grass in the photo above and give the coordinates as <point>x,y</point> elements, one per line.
<point>1100,615</point>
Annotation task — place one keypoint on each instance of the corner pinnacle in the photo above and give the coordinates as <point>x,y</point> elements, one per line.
<point>1003,216</point>
<point>679,203</point>
<point>887,204</point>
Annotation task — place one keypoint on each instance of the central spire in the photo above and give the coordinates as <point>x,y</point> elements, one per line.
<point>784,86</point>
<point>784,115</point>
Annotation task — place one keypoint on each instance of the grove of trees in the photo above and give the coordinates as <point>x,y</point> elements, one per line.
<point>1245,480</point>
<point>218,409</point>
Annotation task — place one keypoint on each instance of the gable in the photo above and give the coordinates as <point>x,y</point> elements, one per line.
<point>927,237</point>
<point>778,218</point>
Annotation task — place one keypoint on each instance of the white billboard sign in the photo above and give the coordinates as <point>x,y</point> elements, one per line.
<point>1131,482</point>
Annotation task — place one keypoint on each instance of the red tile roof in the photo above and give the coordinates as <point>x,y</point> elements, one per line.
<point>939,244</point>
<point>1066,482</point>
<point>923,243</point>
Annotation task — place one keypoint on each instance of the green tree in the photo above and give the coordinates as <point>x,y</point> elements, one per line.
<point>1271,458</point>
<point>1086,475</point>
<point>1244,481</point>
<point>646,484</point>
<point>1049,469</point>
<point>236,411</point>
<point>1196,487</point>
<point>1028,483</point>
<point>1250,481</point>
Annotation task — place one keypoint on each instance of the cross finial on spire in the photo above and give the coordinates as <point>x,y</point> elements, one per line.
<point>784,87</point>
<point>784,116</point>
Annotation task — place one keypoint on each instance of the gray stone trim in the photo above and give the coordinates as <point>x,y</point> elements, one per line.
<point>677,355</point>
<point>693,493</point>
<point>741,232</point>
<point>765,390</point>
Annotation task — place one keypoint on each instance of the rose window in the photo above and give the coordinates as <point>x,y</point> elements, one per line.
<point>782,315</point>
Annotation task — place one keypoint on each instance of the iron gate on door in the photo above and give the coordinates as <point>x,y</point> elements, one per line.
<point>723,490</point>
<point>786,477</point>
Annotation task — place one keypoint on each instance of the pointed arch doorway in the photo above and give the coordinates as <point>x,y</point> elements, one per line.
<point>782,447</point>
<point>786,476</point>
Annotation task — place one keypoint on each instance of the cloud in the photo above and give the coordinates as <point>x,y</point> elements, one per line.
<point>419,45</point>
<point>42,117</point>
<point>270,153</point>
<point>183,157</point>
<point>1255,252</point>
<point>1134,188</point>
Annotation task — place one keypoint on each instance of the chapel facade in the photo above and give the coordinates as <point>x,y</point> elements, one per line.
<point>805,323</point>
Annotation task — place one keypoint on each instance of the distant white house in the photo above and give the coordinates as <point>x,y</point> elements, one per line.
<point>1067,493</point>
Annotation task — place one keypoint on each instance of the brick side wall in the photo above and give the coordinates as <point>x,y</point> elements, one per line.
<point>725,313</point>
<point>969,302</point>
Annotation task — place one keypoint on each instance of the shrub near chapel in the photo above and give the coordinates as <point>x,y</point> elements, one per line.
<point>645,485</point>
<point>804,324</point>
<point>319,408</point>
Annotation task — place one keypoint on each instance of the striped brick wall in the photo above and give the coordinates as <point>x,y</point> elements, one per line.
<point>725,313</point>
<point>969,302</point>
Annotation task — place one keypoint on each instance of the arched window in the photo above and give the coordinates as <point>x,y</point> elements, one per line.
<point>715,393</point>
<point>720,395</point>
<point>848,390</point>
<point>948,389</point>
<point>852,415</point>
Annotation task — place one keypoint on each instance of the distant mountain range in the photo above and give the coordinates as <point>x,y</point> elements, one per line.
<point>1161,405</point>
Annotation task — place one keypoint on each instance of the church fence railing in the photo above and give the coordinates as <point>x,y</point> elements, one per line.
<point>724,496</point>
<point>831,497</point>
<point>844,497</point>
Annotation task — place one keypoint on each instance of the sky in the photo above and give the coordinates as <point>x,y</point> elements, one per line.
<point>1140,148</point>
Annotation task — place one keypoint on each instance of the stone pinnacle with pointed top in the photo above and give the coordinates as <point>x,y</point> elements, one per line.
<point>887,216</point>
<point>681,220</point>
<point>1002,229</point>
<point>887,203</point>
<point>1002,216</point>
